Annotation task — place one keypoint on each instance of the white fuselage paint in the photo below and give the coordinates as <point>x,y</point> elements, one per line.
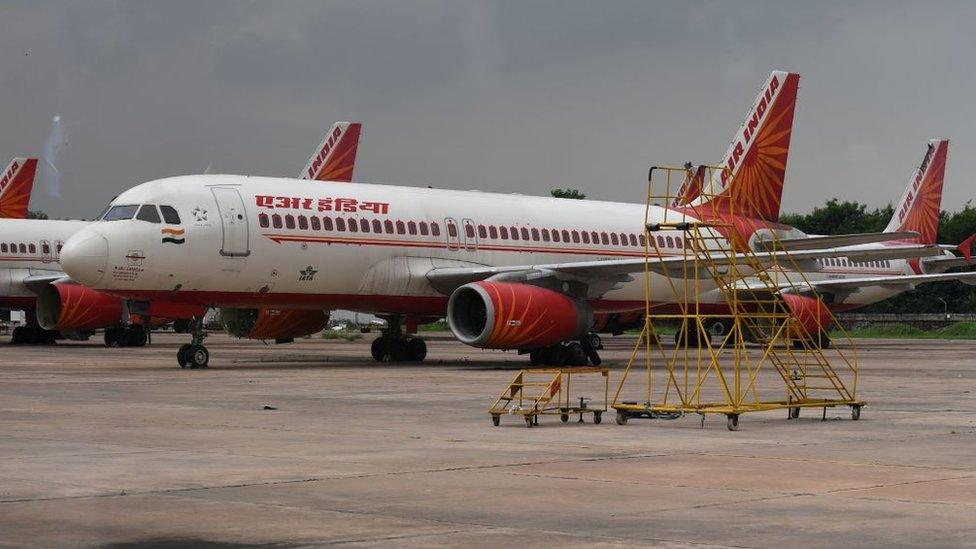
<point>369,272</point>
<point>40,240</point>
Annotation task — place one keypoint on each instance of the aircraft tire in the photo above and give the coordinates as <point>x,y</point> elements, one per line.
<point>417,349</point>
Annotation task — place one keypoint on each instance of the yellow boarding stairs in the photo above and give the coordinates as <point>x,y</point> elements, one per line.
<point>548,391</point>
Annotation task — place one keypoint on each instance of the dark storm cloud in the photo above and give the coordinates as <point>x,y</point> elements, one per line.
<point>507,96</point>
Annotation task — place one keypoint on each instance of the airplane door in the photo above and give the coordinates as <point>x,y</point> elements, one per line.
<point>470,235</point>
<point>233,220</point>
<point>452,234</point>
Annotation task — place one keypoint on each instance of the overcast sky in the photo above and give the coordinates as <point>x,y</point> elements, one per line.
<point>503,96</point>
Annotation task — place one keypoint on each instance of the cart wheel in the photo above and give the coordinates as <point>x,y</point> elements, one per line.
<point>528,421</point>
<point>856,412</point>
<point>597,417</point>
<point>495,419</point>
<point>621,418</point>
<point>733,422</point>
<point>564,417</point>
<point>794,412</point>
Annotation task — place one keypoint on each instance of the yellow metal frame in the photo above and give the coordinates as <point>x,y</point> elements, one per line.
<point>812,375</point>
<point>555,396</point>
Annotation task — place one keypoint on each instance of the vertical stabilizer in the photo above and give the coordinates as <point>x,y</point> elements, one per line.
<point>919,207</point>
<point>335,157</point>
<point>16,185</point>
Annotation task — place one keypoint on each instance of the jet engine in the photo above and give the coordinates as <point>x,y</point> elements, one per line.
<point>72,307</point>
<point>507,315</point>
<point>811,313</point>
<point>280,325</point>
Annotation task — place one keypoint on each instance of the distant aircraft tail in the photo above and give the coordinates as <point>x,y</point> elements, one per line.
<point>919,207</point>
<point>754,168</point>
<point>335,157</point>
<point>691,187</point>
<point>16,185</point>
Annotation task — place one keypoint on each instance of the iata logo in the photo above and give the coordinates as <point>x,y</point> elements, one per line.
<point>14,167</point>
<point>751,126</point>
<point>324,152</point>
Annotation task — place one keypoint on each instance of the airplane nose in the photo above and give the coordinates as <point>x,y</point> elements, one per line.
<point>84,257</point>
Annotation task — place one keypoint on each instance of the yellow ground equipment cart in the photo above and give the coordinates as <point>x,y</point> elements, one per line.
<point>773,352</point>
<point>552,391</point>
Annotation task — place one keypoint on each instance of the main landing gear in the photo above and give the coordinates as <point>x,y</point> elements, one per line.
<point>32,334</point>
<point>569,353</point>
<point>134,335</point>
<point>194,355</point>
<point>395,346</point>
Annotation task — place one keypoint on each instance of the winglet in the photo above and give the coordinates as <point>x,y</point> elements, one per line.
<point>16,185</point>
<point>919,207</point>
<point>754,168</point>
<point>967,247</point>
<point>335,157</point>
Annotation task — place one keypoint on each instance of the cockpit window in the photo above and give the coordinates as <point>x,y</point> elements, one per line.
<point>118,213</point>
<point>170,215</point>
<point>148,213</point>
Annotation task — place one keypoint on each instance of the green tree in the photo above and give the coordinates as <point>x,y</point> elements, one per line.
<point>36,214</point>
<point>567,193</point>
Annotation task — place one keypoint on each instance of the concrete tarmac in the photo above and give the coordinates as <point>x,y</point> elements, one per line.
<point>121,448</point>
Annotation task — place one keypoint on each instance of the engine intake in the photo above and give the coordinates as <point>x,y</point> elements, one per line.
<point>507,315</point>
<point>273,323</point>
<point>73,307</point>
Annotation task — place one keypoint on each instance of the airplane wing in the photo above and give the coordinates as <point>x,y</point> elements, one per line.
<point>37,282</point>
<point>941,264</point>
<point>900,281</point>
<point>601,276</point>
<point>833,241</point>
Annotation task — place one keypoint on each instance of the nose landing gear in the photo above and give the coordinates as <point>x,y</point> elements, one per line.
<point>194,355</point>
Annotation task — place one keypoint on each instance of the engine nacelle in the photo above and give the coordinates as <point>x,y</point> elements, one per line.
<point>273,323</point>
<point>73,307</point>
<point>508,315</point>
<point>811,313</point>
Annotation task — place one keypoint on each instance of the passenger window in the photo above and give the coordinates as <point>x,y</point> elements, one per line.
<point>555,235</point>
<point>565,235</point>
<point>503,232</point>
<point>303,222</point>
<point>316,225</point>
<point>263,220</point>
<point>327,223</point>
<point>423,227</point>
<point>388,225</point>
<point>660,241</point>
<point>535,234</point>
<point>586,237</point>
<point>170,216</point>
<point>435,229</point>
<point>642,239</point>
<point>402,229</point>
<point>22,248</point>
<point>148,213</point>
<point>493,232</point>
<point>525,233</point>
<point>364,225</point>
<point>31,248</point>
<point>276,221</point>
<point>670,241</point>
<point>482,231</point>
<point>677,242</point>
<point>576,237</point>
<point>469,230</point>
<point>289,221</point>
<point>377,226</point>
<point>604,239</point>
<point>340,224</point>
<point>3,248</point>
<point>613,239</point>
<point>120,213</point>
<point>352,226</point>
<point>45,248</point>
<point>595,237</point>
<point>412,227</point>
<point>545,235</point>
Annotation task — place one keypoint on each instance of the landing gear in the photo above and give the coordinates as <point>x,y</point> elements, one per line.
<point>572,353</point>
<point>719,327</point>
<point>194,355</point>
<point>691,334</point>
<point>134,335</point>
<point>394,346</point>
<point>32,335</point>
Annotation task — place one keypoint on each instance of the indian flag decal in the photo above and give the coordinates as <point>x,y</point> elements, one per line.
<point>172,236</point>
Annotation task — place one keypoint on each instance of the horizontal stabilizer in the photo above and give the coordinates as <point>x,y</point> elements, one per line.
<point>832,241</point>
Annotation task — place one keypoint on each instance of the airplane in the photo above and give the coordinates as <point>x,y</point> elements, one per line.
<point>31,278</point>
<point>508,272</point>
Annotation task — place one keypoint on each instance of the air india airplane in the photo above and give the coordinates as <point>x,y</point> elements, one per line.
<point>31,278</point>
<point>508,271</point>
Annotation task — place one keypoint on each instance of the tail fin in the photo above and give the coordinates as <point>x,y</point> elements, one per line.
<point>754,168</point>
<point>335,158</point>
<point>16,185</point>
<point>918,209</point>
<point>691,187</point>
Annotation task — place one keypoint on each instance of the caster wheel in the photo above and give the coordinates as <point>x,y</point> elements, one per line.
<point>733,422</point>
<point>564,418</point>
<point>856,412</point>
<point>183,356</point>
<point>417,349</point>
<point>528,421</point>
<point>597,417</point>
<point>574,354</point>
<point>495,420</point>
<point>794,413</point>
<point>621,418</point>
<point>198,356</point>
<point>595,341</point>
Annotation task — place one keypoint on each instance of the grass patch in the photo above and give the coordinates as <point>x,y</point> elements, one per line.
<point>348,336</point>
<point>961,330</point>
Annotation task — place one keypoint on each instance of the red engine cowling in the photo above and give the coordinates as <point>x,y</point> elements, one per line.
<point>73,307</point>
<point>506,315</point>
<point>811,313</point>
<point>273,323</point>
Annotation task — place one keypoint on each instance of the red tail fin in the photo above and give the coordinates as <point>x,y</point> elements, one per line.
<point>751,183</point>
<point>691,187</point>
<point>335,158</point>
<point>918,209</point>
<point>16,185</point>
